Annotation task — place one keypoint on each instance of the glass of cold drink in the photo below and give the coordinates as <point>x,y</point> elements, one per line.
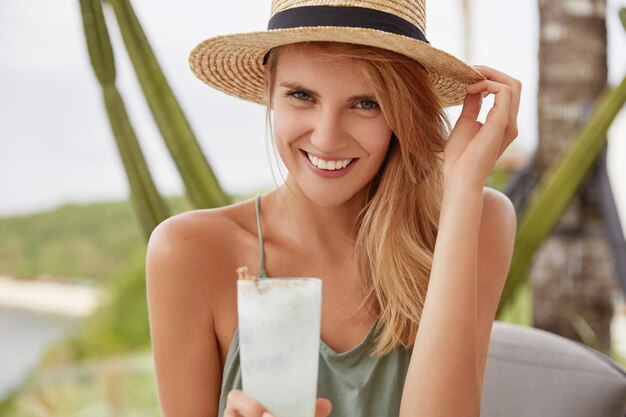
<point>279,337</point>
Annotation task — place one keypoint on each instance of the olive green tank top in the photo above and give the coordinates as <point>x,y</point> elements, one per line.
<point>358,384</point>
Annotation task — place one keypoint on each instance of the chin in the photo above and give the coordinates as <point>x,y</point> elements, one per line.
<point>332,196</point>
<point>327,192</point>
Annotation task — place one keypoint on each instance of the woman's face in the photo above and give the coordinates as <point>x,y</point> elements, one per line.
<point>329,130</point>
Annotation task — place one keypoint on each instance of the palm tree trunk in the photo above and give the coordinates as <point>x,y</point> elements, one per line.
<point>573,274</point>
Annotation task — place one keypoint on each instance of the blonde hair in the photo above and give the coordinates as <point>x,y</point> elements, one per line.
<point>397,228</point>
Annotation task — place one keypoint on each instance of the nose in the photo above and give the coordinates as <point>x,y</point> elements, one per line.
<point>328,133</point>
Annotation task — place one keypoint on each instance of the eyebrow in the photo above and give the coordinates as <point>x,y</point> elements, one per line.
<point>300,87</point>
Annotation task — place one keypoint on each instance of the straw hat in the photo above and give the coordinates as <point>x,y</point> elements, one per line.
<point>234,63</point>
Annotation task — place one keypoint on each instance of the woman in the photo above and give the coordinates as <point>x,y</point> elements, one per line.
<point>383,201</point>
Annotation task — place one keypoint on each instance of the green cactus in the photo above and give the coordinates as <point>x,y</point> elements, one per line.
<point>202,187</point>
<point>147,202</point>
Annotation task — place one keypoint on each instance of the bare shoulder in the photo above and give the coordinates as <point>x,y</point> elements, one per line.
<point>198,252</point>
<point>498,226</point>
<point>201,240</point>
<point>184,245</point>
<point>498,210</point>
<point>192,228</point>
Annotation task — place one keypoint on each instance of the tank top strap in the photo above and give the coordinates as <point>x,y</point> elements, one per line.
<point>262,273</point>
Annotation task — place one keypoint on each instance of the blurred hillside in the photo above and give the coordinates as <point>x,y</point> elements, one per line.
<point>73,242</point>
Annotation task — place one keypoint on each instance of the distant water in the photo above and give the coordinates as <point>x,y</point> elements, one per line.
<point>24,338</point>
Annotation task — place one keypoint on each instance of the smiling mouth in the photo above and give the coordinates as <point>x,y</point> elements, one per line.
<point>325,165</point>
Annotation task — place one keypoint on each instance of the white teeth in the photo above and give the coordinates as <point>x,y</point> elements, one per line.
<point>328,165</point>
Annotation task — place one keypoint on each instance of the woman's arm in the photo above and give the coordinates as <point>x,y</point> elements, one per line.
<point>184,345</point>
<point>470,263</point>
<point>472,255</point>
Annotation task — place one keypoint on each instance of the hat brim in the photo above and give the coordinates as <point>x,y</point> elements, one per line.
<point>234,63</point>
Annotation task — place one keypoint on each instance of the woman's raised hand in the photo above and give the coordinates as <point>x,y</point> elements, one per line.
<point>473,147</point>
<point>240,404</point>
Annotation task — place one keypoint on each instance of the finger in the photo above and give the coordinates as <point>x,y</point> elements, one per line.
<point>495,75</point>
<point>516,92</point>
<point>491,136</point>
<point>230,412</point>
<point>323,407</point>
<point>471,106</point>
<point>498,116</point>
<point>511,130</point>
<point>467,125</point>
<point>243,404</point>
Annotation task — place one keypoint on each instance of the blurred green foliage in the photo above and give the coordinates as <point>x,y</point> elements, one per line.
<point>119,325</point>
<point>79,242</point>
<point>120,386</point>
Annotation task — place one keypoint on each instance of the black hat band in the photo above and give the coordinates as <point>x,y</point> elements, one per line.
<point>355,17</point>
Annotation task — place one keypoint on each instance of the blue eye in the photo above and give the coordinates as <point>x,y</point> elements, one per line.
<point>368,105</point>
<point>299,95</point>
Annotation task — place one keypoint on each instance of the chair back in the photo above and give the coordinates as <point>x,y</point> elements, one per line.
<point>535,373</point>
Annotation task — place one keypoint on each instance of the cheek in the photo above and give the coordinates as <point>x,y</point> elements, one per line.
<point>376,137</point>
<point>288,125</point>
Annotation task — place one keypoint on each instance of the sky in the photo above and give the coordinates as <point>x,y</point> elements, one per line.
<point>56,146</point>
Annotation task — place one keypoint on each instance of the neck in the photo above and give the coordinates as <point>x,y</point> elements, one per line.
<point>328,229</point>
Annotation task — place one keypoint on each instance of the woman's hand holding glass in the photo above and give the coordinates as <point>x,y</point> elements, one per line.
<point>241,405</point>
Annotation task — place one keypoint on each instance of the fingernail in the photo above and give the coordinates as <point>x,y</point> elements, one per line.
<point>266,414</point>
<point>478,65</point>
